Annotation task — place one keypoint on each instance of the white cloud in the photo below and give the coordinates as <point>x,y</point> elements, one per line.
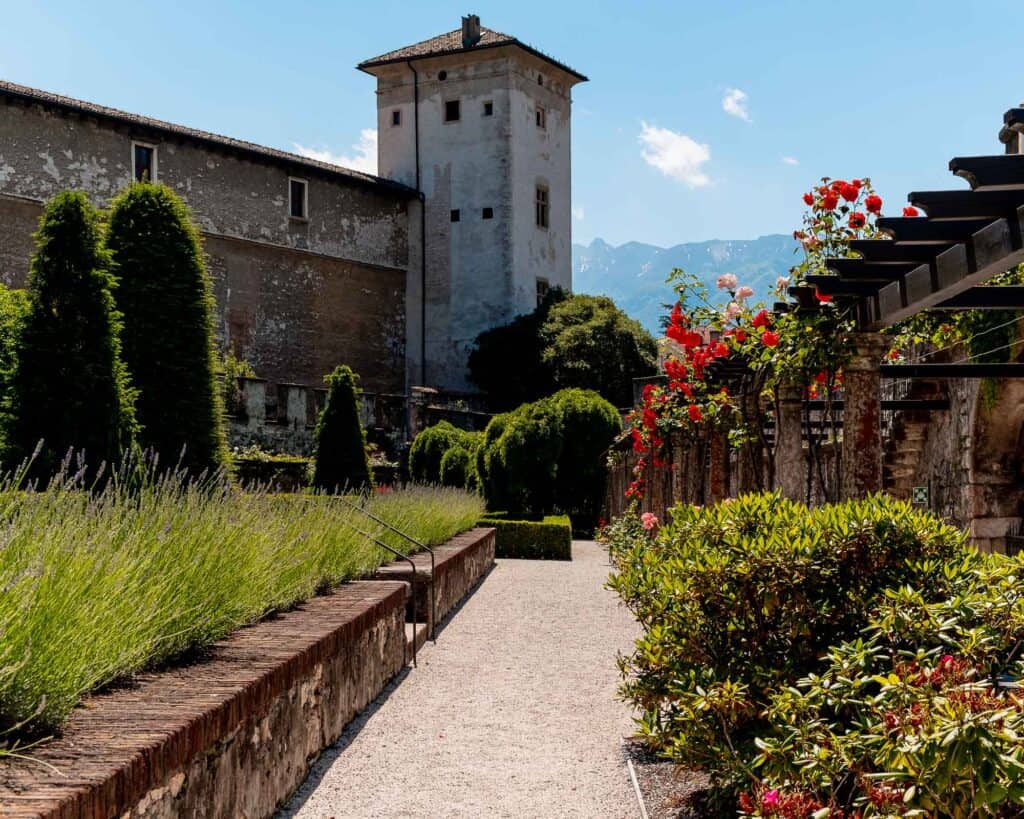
<point>362,158</point>
<point>676,155</point>
<point>578,213</point>
<point>734,103</point>
<point>790,160</point>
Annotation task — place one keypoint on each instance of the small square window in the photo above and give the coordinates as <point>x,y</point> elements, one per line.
<point>542,207</point>
<point>143,162</point>
<point>396,117</point>
<point>298,199</point>
<point>455,215</point>
<point>488,213</point>
<point>543,288</point>
<point>452,112</point>
<point>488,109</point>
<point>542,118</point>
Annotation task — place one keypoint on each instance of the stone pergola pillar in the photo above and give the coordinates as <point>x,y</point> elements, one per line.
<point>862,413</point>
<point>790,461</point>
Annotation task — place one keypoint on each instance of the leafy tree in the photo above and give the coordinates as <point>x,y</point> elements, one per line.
<point>165,295</point>
<point>69,386</point>
<point>340,457</point>
<point>568,341</point>
<point>590,343</point>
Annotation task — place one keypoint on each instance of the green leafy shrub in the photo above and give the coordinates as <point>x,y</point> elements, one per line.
<point>69,388</point>
<point>488,470</point>
<point>547,539</point>
<point>340,459</point>
<point>165,295</point>
<point>740,600</point>
<point>231,369</point>
<point>429,448</point>
<point>922,716</point>
<point>458,468</point>
<point>526,457</point>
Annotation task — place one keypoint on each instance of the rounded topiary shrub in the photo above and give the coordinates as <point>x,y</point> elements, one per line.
<point>340,461</point>
<point>523,462</point>
<point>487,468</point>
<point>430,446</point>
<point>458,468</point>
<point>165,295</point>
<point>69,388</point>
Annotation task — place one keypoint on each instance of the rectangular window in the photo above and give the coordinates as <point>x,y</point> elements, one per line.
<point>143,162</point>
<point>455,215</point>
<point>452,111</point>
<point>396,117</point>
<point>298,199</point>
<point>488,213</point>
<point>542,290</point>
<point>542,118</point>
<point>488,109</point>
<point>542,207</point>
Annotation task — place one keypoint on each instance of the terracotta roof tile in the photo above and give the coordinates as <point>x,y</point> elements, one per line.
<point>25,93</point>
<point>451,43</point>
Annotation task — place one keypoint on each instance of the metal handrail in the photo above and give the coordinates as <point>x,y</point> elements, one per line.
<point>432,624</point>
<point>412,582</point>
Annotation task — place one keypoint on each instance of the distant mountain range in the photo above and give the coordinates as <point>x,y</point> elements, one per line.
<point>634,274</point>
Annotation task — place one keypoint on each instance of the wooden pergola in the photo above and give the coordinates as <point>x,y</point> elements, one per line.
<point>938,261</point>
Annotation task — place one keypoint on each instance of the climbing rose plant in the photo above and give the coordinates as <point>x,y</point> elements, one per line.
<point>800,347</point>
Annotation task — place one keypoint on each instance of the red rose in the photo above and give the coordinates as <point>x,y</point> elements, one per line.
<point>770,339</point>
<point>873,203</point>
<point>910,211</point>
<point>808,198</point>
<point>824,299</point>
<point>857,183</point>
<point>741,336</point>
<point>830,201</point>
<point>858,220</point>
<point>720,350</point>
<point>694,412</point>
<point>762,319</point>
<point>849,192</point>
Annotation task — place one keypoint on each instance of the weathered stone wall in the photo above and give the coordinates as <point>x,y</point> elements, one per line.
<point>294,297</point>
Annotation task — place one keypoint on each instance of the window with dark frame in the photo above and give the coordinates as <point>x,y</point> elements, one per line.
<point>488,109</point>
<point>542,118</point>
<point>452,112</point>
<point>396,117</point>
<point>542,206</point>
<point>143,162</point>
<point>298,204</point>
<point>543,288</point>
<point>456,216</point>
<point>488,213</point>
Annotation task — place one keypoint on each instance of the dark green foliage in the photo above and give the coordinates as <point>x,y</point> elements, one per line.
<point>547,539</point>
<point>568,341</point>
<point>549,455</point>
<point>458,468</point>
<point>589,426</point>
<point>340,458</point>
<point>590,343</point>
<point>13,312</point>
<point>429,448</point>
<point>164,293</point>
<point>69,387</point>
<point>740,600</point>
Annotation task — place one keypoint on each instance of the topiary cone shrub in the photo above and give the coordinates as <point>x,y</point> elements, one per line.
<point>341,462</point>
<point>165,295</point>
<point>69,388</point>
<point>740,600</point>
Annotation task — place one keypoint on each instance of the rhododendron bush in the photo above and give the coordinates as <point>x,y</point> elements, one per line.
<point>792,347</point>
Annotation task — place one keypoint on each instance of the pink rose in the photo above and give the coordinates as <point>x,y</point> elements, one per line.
<point>649,520</point>
<point>770,799</point>
<point>781,283</point>
<point>745,292</point>
<point>733,311</point>
<point>727,281</point>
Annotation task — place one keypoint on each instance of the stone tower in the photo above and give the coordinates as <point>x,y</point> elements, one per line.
<point>479,123</point>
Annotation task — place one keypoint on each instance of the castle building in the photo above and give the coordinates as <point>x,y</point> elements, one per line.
<point>315,265</point>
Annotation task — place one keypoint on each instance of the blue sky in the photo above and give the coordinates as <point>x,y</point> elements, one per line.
<point>891,91</point>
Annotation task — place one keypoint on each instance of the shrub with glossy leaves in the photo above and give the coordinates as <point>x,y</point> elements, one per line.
<point>740,600</point>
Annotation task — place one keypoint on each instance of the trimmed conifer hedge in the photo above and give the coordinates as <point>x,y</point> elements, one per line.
<point>340,458</point>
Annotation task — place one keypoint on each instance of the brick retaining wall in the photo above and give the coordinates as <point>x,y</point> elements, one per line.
<point>233,735</point>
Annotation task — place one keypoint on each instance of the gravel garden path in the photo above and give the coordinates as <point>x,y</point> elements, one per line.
<point>512,713</point>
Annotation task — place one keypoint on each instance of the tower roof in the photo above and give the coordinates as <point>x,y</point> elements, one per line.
<point>452,42</point>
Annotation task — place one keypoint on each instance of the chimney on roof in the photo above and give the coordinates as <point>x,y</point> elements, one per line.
<point>470,30</point>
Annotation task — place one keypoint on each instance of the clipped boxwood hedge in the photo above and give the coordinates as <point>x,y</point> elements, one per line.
<point>547,539</point>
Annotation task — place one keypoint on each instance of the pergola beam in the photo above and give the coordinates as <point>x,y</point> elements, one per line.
<point>1010,297</point>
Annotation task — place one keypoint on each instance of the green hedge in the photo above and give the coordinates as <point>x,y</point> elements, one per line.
<point>547,539</point>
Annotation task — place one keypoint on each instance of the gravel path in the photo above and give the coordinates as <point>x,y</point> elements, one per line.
<point>512,713</point>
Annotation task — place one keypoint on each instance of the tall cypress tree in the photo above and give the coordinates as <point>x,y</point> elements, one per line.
<point>341,461</point>
<point>69,387</point>
<point>165,295</point>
